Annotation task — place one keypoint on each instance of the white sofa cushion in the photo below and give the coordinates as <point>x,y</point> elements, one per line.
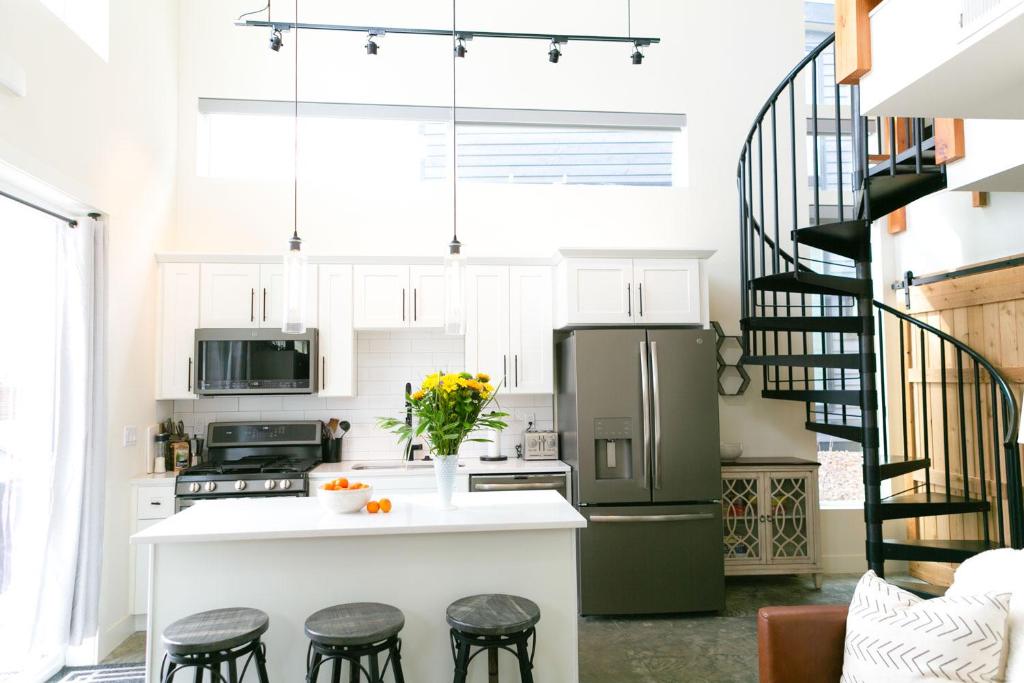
<point>897,637</point>
<point>999,571</point>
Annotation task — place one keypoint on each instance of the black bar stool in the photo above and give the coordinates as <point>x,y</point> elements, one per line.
<point>206,640</point>
<point>349,632</point>
<point>493,622</point>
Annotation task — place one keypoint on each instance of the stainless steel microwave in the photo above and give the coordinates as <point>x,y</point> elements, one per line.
<point>255,361</point>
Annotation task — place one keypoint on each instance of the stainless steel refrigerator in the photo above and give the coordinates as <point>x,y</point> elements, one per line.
<point>638,418</point>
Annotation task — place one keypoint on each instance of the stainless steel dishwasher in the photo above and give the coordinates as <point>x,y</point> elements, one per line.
<point>554,481</point>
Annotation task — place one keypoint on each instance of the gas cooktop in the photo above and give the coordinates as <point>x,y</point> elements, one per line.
<point>254,465</point>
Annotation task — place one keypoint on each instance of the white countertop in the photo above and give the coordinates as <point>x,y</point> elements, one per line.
<point>154,479</point>
<point>396,468</point>
<point>290,518</point>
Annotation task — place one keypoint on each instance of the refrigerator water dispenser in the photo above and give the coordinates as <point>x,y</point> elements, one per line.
<point>613,447</point>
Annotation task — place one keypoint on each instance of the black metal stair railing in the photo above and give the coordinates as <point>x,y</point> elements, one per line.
<point>812,176</point>
<point>969,436</point>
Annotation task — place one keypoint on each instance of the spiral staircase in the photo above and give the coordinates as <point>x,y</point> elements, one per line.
<point>810,320</point>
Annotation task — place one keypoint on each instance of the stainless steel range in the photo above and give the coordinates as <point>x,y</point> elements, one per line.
<point>252,459</point>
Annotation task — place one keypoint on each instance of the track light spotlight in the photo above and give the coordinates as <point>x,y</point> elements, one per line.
<point>371,46</point>
<point>275,40</point>
<point>460,48</point>
<point>638,57</point>
<point>554,53</point>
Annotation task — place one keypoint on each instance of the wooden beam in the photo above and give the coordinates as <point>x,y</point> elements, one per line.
<point>984,288</point>
<point>903,136</point>
<point>897,221</point>
<point>979,200</point>
<point>949,140</point>
<point>853,39</point>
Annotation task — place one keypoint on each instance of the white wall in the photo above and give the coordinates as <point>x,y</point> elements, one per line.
<point>944,232</point>
<point>717,63</point>
<point>105,133</point>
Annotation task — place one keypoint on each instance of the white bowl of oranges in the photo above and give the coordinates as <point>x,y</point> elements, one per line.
<point>341,497</point>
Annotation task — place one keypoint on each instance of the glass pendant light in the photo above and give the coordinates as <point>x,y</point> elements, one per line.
<point>454,261</point>
<point>293,302</point>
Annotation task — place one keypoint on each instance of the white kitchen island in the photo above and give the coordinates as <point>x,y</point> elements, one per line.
<point>288,558</point>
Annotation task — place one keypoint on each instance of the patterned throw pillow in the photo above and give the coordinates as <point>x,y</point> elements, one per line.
<point>897,637</point>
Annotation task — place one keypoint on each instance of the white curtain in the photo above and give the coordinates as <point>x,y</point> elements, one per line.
<point>52,516</point>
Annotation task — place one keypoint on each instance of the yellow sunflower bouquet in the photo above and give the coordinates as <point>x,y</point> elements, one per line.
<point>449,407</point>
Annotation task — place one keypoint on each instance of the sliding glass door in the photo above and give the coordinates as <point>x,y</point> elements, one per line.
<point>31,643</point>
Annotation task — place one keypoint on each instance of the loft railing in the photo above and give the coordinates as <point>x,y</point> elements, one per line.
<point>971,431</point>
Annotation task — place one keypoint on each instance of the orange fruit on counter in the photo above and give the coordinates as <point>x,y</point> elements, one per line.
<point>372,507</point>
<point>385,505</point>
<point>342,482</point>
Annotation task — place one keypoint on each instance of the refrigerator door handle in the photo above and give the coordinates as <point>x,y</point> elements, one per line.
<point>645,411</point>
<point>657,415</point>
<point>693,517</point>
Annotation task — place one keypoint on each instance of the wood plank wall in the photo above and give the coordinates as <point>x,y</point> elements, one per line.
<point>986,311</point>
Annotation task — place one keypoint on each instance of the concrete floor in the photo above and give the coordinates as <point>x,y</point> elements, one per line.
<point>707,648</point>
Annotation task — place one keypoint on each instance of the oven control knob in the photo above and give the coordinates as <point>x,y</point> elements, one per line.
<point>269,484</point>
<point>286,483</point>
<point>211,486</point>
<point>193,487</point>
<point>239,485</point>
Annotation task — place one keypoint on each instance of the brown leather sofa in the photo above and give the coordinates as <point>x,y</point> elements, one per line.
<point>801,644</point>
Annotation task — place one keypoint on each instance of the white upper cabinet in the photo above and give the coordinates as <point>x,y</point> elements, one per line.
<point>427,286</point>
<point>337,371</point>
<point>595,291</point>
<point>531,339</point>
<point>667,291</point>
<point>381,297</point>
<point>271,295</point>
<point>652,290</point>
<point>390,297</point>
<point>508,326</point>
<point>487,323</point>
<point>178,319</point>
<point>228,295</point>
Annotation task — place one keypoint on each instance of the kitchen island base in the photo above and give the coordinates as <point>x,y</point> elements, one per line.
<point>420,573</point>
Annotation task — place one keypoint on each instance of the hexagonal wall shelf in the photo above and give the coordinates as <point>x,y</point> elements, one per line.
<point>733,379</point>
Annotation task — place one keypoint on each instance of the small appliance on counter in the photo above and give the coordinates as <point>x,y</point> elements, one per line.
<point>253,460</point>
<point>539,445</point>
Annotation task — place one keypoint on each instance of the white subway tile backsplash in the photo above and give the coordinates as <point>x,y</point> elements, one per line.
<point>385,362</point>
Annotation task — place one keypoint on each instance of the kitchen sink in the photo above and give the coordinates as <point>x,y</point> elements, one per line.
<point>394,466</point>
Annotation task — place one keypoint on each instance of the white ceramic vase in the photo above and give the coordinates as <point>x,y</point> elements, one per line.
<point>445,467</point>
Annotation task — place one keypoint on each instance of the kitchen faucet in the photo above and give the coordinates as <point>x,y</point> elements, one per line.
<point>410,447</point>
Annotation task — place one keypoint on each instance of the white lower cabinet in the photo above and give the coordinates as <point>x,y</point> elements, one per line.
<point>337,371</point>
<point>153,501</point>
<point>509,327</point>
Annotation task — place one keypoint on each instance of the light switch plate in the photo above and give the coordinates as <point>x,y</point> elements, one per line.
<point>130,437</point>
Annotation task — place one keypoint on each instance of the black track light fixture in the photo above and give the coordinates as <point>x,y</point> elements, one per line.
<point>460,47</point>
<point>638,57</point>
<point>276,41</point>
<point>371,44</point>
<point>554,53</point>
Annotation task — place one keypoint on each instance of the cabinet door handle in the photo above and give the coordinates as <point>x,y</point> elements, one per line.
<point>629,300</point>
<point>323,372</point>
<point>640,287</point>
<point>252,305</point>
<point>516,358</point>
<point>504,370</point>
<point>415,303</point>
<point>264,304</point>
<point>155,502</point>
<point>403,304</point>
<point>190,373</point>
<point>692,517</point>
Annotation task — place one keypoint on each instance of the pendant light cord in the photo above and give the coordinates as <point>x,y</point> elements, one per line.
<point>455,158</point>
<point>629,18</point>
<point>295,135</point>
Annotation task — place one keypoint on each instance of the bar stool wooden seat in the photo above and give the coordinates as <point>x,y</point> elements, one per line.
<point>207,640</point>
<point>350,632</point>
<point>493,622</point>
